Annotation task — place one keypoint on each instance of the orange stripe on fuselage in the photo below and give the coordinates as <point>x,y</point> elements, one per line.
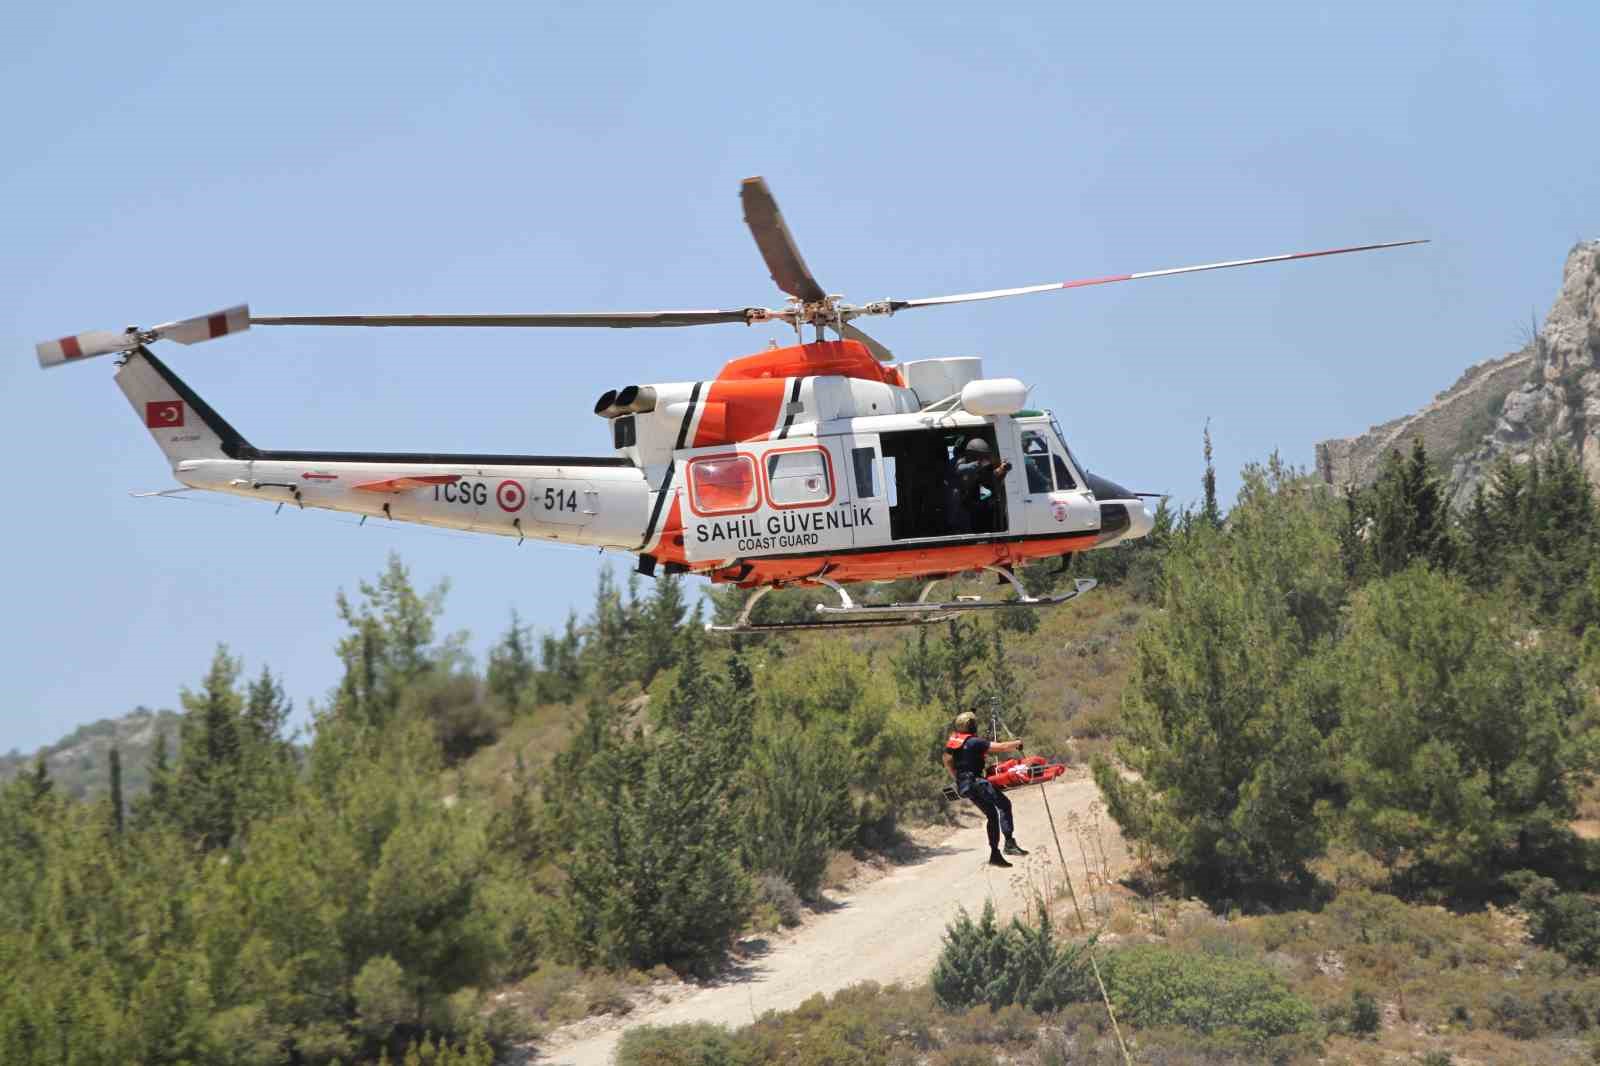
<point>749,410</point>
<point>848,359</point>
<point>890,562</point>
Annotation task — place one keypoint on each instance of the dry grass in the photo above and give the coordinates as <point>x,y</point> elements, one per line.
<point>1587,824</point>
<point>537,737</point>
<point>555,994</point>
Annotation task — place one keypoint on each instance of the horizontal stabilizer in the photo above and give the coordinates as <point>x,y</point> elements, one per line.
<point>407,484</point>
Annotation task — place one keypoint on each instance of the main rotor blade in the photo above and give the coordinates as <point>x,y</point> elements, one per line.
<point>613,320</point>
<point>777,245</point>
<point>879,352</point>
<point>995,294</point>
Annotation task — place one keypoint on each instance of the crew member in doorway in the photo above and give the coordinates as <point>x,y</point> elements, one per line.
<point>964,755</point>
<point>973,489</point>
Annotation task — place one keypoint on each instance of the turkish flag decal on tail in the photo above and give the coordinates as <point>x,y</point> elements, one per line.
<point>163,414</point>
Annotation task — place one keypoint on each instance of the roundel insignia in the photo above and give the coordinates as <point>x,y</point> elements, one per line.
<point>510,496</point>
<point>1059,509</point>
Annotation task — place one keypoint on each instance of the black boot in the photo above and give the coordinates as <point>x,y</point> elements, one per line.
<point>997,859</point>
<point>1013,848</point>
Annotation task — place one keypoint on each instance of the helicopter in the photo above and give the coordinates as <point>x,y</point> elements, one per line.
<point>820,464</point>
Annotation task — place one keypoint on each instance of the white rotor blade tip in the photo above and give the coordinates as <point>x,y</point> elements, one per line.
<point>83,346</point>
<point>206,327</point>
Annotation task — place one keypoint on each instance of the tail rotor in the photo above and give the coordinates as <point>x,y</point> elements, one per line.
<point>82,346</point>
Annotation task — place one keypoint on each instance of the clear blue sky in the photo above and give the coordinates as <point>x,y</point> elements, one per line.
<point>166,160</point>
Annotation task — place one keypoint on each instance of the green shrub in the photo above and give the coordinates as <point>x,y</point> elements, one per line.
<point>383,997</point>
<point>797,806</point>
<point>1527,1014</point>
<point>1364,1014</point>
<point>983,962</point>
<point>694,1044</point>
<point>1568,922</point>
<point>649,878</point>
<point>1151,985</point>
<point>773,891</point>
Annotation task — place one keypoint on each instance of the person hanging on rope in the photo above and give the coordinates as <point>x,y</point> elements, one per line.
<point>964,755</point>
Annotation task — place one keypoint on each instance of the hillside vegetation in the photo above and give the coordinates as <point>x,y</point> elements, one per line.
<point>1336,712</point>
<point>625,793</point>
<point>1343,714</point>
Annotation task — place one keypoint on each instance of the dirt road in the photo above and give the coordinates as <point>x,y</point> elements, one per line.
<point>889,930</point>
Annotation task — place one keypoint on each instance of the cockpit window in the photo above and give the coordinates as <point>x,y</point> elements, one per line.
<point>1062,439</point>
<point>1063,475</point>
<point>1036,460</point>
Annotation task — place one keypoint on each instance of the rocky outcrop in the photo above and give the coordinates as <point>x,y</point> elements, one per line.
<point>1517,405</point>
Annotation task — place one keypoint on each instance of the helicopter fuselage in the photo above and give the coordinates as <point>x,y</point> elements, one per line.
<point>794,463</point>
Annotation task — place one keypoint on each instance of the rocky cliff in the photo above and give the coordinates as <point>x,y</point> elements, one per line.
<point>79,763</point>
<point>1518,404</point>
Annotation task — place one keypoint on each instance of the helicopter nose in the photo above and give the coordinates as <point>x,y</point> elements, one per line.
<point>1124,515</point>
<point>1141,520</point>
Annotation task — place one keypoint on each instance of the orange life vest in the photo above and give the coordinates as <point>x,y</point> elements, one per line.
<point>958,740</point>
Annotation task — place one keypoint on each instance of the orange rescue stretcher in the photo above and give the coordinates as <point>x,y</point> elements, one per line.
<point>1033,770</point>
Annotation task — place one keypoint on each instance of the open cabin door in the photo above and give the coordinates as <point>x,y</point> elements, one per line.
<point>766,498</point>
<point>927,496</point>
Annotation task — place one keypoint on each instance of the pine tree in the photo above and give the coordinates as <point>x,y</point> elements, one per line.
<point>39,783</point>
<point>116,790</point>
<point>1460,744</point>
<point>210,775</point>
<point>1210,510</point>
<point>918,668</point>
<point>266,713</point>
<point>1409,522</point>
<point>1220,725</point>
<point>155,806</point>
<point>964,651</point>
<point>390,645</point>
<point>797,808</point>
<point>560,663</point>
<point>656,644</point>
<point>512,671</point>
<point>1482,551</point>
<point>267,761</point>
<point>650,878</point>
<point>1002,689</point>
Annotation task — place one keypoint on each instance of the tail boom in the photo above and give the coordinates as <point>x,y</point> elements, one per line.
<point>592,500</point>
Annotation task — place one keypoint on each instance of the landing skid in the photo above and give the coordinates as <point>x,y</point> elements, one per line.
<point>849,614</point>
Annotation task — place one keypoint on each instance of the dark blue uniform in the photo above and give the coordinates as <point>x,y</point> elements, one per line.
<point>966,508</point>
<point>968,752</point>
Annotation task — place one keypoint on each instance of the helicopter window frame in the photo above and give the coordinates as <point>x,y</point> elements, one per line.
<point>1073,466</point>
<point>1038,478</point>
<point>1064,481</point>
<point>769,460</point>
<point>693,476</point>
<point>864,460</point>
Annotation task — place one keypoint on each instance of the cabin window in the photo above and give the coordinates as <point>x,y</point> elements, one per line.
<point>723,484</point>
<point>861,459</point>
<point>1036,461</point>
<point>799,478</point>
<point>1063,475</point>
